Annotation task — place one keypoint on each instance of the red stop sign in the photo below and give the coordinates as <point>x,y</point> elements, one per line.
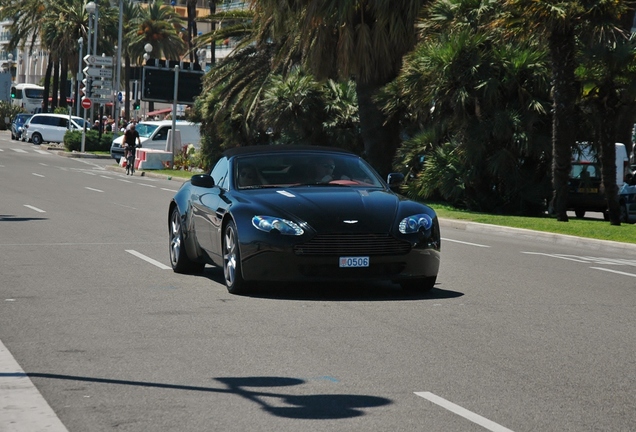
<point>86,103</point>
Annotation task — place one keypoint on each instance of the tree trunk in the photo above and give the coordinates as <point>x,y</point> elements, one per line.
<point>47,86</point>
<point>56,85</point>
<point>63,84</point>
<point>564,124</point>
<point>381,137</point>
<point>607,153</point>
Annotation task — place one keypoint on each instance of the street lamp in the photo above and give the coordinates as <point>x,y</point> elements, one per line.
<point>80,41</point>
<point>118,60</point>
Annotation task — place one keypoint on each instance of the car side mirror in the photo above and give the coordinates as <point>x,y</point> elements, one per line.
<point>202,180</point>
<point>395,180</point>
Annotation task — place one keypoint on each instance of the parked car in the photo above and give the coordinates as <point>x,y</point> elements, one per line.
<point>154,135</point>
<point>46,127</point>
<point>585,188</point>
<point>301,213</point>
<point>17,125</point>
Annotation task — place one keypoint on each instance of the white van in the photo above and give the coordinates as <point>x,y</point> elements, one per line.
<point>154,135</point>
<point>50,127</point>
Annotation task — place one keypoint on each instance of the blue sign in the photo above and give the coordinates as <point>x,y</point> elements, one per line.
<point>120,97</point>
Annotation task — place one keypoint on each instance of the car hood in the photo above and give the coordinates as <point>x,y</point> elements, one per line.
<point>330,208</point>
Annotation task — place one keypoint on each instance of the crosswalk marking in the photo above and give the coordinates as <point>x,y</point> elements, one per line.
<point>19,150</point>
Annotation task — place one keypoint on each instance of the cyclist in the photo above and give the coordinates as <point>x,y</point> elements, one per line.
<point>130,136</point>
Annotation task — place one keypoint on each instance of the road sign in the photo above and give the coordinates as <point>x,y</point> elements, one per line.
<point>86,103</point>
<point>98,61</point>
<point>120,97</point>
<point>101,100</point>
<point>97,72</point>
<point>101,92</point>
<point>101,82</point>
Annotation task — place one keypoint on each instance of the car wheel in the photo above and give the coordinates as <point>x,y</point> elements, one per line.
<point>579,213</point>
<point>36,139</point>
<point>13,137</point>
<point>422,285</point>
<point>179,259</point>
<point>232,261</point>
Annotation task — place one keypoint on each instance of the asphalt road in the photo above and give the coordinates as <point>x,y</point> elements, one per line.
<point>524,332</point>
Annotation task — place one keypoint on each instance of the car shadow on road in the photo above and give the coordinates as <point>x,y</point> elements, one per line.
<point>254,389</point>
<point>341,291</point>
<point>12,218</point>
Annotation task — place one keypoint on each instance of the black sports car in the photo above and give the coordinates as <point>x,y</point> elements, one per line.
<point>291,213</point>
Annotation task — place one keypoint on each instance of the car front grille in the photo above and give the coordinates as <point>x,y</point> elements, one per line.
<point>353,245</point>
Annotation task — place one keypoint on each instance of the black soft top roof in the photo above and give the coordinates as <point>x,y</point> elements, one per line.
<point>259,149</point>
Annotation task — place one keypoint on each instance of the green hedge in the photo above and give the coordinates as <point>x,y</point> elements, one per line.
<point>73,141</point>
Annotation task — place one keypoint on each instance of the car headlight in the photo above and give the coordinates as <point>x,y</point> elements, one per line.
<point>283,226</point>
<point>413,224</point>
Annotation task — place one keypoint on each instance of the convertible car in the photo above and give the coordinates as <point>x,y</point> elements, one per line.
<point>301,213</point>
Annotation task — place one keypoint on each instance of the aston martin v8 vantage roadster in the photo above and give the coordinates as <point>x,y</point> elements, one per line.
<point>301,213</point>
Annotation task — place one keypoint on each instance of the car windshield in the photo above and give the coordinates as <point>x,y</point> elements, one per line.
<point>585,171</point>
<point>145,130</point>
<point>302,169</point>
<point>34,93</point>
<point>20,119</point>
<point>79,121</point>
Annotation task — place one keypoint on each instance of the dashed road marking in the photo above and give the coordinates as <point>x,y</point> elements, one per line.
<point>37,175</point>
<point>148,259</point>
<point>35,208</point>
<point>465,243</point>
<point>614,271</point>
<point>93,189</point>
<point>463,412</point>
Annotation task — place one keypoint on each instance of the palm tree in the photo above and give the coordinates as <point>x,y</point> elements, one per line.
<point>157,25</point>
<point>559,23</point>
<point>472,103</point>
<point>360,39</point>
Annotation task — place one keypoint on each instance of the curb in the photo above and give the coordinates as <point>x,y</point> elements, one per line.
<point>149,174</point>
<point>558,239</point>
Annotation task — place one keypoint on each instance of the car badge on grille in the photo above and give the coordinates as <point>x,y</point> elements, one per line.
<point>350,221</point>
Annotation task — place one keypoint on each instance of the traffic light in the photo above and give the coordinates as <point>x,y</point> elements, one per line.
<point>136,105</point>
<point>13,93</point>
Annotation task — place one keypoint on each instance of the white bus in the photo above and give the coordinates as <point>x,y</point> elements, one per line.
<point>27,96</point>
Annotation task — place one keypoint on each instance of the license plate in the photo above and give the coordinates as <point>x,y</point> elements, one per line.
<point>354,261</point>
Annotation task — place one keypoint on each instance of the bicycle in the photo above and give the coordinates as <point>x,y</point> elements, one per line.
<point>130,159</point>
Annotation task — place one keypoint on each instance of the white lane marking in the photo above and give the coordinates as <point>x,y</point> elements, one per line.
<point>88,172</point>
<point>43,164</point>
<point>23,407</point>
<point>41,151</point>
<point>19,150</point>
<point>475,418</point>
<point>466,243</point>
<point>589,260</point>
<point>106,177</point>
<point>147,185</point>
<point>34,208</point>
<point>92,189</point>
<point>170,190</point>
<point>125,206</point>
<point>1,150</point>
<point>148,259</point>
<point>124,180</point>
<point>614,271</point>
<point>37,175</point>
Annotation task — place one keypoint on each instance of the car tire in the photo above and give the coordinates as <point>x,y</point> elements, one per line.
<point>179,259</point>
<point>232,261</point>
<point>13,137</point>
<point>579,213</point>
<point>36,138</point>
<point>422,285</point>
